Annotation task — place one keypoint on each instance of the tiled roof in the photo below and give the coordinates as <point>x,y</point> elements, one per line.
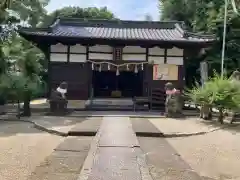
<point>118,30</point>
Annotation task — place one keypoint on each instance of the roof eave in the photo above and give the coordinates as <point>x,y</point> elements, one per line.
<point>46,38</point>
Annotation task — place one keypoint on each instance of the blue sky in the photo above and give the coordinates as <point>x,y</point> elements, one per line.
<point>123,9</point>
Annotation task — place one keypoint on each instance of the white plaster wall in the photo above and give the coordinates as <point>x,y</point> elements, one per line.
<point>77,58</point>
<point>77,49</point>
<point>156,60</point>
<point>156,51</point>
<point>101,48</point>
<point>175,52</point>
<point>134,57</point>
<point>58,48</point>
<point>99,56</point>
<point>175,60</point>
<point>134,49</point>
<point>58,57</point>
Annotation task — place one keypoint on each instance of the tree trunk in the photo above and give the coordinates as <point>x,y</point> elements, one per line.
<point>205,112</point>
<point>210,113</point>
<point>26,106</point>
<point>233,117</point>
<point>221,116</point>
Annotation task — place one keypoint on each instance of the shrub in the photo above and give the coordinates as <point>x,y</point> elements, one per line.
<point>218,92</point>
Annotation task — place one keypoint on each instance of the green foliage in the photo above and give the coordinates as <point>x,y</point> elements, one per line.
<point>199,95</point>
<point>77,12</point>
<point>148,17</point>
<point>19,59</point>
<point>207,16</point>
<point>14,86</point>
<point>222,93</point>
<point>19,79</point>
<point>30,11</point>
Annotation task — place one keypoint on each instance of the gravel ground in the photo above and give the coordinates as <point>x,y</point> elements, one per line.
<point>215,155</point>
<point>22,148</point>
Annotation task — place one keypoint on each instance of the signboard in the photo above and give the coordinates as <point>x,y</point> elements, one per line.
<point>165,72</point>
<point>156,72</point>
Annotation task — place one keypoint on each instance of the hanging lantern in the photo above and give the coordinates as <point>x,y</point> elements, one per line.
<point>117,72</point>
<point>100,68</point>
<point>142,66</point>
<point>92,66</point>
<point>135,69</point>
<point>108,67</point>
<point>127,68</point>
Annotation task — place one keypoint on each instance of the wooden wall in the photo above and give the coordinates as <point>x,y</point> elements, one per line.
<point>69,63</point>
<point>77,76</point>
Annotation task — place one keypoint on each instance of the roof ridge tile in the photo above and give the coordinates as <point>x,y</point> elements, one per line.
<point>117,23</point>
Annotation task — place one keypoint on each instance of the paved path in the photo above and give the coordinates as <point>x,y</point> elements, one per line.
<point>118,154</point>
<point>149,127</point>
<point>115,152</point>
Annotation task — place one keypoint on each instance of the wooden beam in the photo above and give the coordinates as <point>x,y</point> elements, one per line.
<point>68,54</point>
<point>47,55</point>
<point>165,56</point>
<point>147,53</point>
<point>100,52</point>
<point>87,52</point>
<point>134,53</point>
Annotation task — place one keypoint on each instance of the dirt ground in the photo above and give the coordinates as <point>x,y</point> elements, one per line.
<point>215,155</point>
<point>22,148</point>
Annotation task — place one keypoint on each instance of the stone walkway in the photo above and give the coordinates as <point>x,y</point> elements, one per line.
<point>117,153</point>
<point>150,127</point>
<point>114,148</point>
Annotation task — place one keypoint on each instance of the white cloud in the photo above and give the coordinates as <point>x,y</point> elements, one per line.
<point>123,9</point>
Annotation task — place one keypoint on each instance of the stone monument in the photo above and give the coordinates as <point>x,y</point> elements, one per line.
<point>174,101</point>
<point>58,101</point>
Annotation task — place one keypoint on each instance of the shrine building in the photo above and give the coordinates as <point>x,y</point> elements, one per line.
<point>97,57</point>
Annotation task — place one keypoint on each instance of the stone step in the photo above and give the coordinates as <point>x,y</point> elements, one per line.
<point>65,162</point>
<point>89,127</point>
<point>109,108</point>
<point>117,132</point>
<point>144,128</point>
<point>118,155</point>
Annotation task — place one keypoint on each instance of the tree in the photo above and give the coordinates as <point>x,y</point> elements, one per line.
<point>21,77</point>
<point>31,11</point>
<point>77,12</point>
<point>148,17</point>
<point>218,92</point>
<point>5,4</point>
<point>30,68</point>
<point>16,52</point>
<point>206,16</point>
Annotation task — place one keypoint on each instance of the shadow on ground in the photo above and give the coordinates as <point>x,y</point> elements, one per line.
<point>13,128</point>
<point>234,128</point>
